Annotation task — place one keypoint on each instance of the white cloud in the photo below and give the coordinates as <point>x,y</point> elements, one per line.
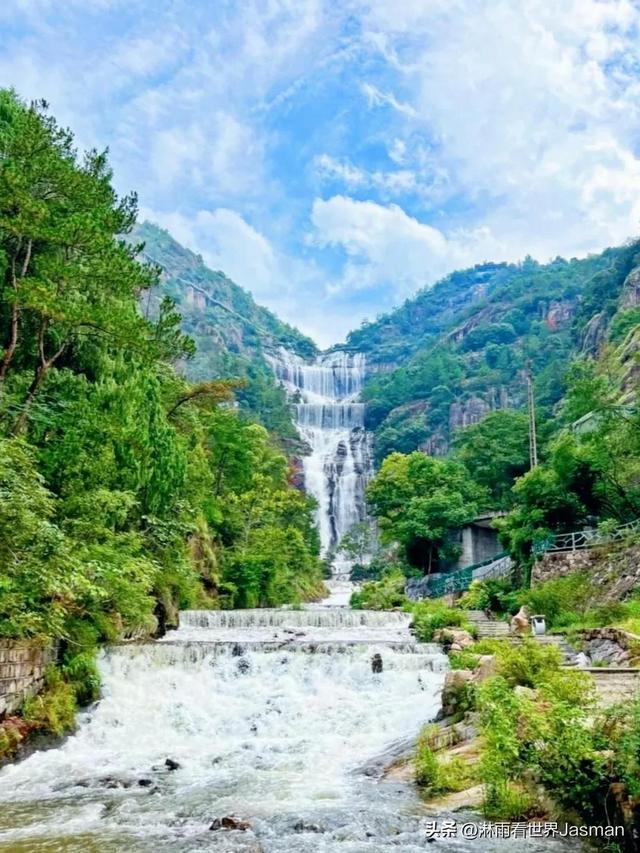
<point>534,107</point>
<point>377,98</point>
<point>228,243</point>
<point>385,247</point>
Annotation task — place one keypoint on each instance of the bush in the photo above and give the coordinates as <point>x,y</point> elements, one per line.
<point>529,664</point>
<point>440,776</point>
<point>385,594</point>
<point>493,595</point>
<point>508,801</point>
<point>563,601</point>
<point>430,615</point>
<point>622,730</point>
<point>466,659</point>
<point>52,711</point>
<point>545,733</point>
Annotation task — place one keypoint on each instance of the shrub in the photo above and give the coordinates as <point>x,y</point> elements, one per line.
<point>385,594</point>
<point>545,733</point>
<point>466,659</point>
<point>508,801</point>
<point>563,601</point>
<point>494,595</point>
<point>52,711</point>
<point>437,776</point>
<point>429,616</point>
<point>529,664</point>
<point>622,730</point>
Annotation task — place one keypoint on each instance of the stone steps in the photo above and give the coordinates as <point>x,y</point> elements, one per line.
<point>615,685</point>
<point>485,627</point>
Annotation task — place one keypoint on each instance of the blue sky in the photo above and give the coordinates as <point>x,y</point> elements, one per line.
<point>333,157</point>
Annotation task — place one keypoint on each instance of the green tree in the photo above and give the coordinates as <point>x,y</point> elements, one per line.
<point>496,452</point>
<point>419,501</point>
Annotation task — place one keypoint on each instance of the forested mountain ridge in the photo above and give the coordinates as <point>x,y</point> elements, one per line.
<point>460,349</point>
<point>230,330</point>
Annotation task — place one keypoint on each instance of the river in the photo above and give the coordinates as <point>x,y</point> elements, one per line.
<point>274,716</point>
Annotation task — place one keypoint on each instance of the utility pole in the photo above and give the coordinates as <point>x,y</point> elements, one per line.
<point>531,403</point>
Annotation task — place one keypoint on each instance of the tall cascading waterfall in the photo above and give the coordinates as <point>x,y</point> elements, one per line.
<point>330,419</point>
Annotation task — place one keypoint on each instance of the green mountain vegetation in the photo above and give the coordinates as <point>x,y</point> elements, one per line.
<point>231,332</point>
<point>126,489</point>
<point>459,350</point>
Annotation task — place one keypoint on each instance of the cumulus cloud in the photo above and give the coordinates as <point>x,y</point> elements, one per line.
<point>439,133</point>
<point>534,108</point>
<point>384,246</point>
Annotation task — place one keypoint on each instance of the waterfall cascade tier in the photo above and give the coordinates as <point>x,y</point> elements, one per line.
<point>291,742</point>
<point>330,419</point>
<point>274,730</point>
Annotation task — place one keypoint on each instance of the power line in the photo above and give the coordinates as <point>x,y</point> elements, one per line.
<point>531,404</point>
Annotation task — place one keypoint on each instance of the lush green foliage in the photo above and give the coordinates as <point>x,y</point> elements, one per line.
<point>419,501</point>
<point>432,614</point>
<point>125,491</point>
<point>494,595</point>
<point>496,452</point>
<point>544,732</point>
<point>53,711</point>
<point>466,341</point>
<point>231,332</point>
<point>385,594</point>
<point>436,776</point>
<point>592,470</point>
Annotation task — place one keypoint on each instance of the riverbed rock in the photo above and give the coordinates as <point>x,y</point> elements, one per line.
<point>230,822</point>
<point>454,690</point>
<point>453,639</point>
<point>485,668</point>
<point>376,663</point>
<point>303,826</point>
<point>171,765</point>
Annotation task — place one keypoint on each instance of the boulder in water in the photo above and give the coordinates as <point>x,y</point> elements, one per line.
<point>230,822</point>
<point>303,826</point>
<point>170,764</point>
<point>376,663</point>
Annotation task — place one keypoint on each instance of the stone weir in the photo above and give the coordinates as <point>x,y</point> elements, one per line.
<point>319,630</point>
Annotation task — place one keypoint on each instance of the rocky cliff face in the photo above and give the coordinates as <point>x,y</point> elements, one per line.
<point>461,349</point>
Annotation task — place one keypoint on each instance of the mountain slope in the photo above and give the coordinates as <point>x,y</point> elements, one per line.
<point>231,331</point>
<point>460,349</point>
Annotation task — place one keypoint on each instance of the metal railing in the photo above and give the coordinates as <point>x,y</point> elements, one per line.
<point>460,580</point>
<point>589,538</point>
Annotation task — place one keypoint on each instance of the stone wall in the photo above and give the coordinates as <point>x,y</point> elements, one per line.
<point>22,668</point>
<point>614,569</point>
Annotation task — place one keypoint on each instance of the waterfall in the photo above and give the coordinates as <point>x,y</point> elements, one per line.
<point>330,419</point>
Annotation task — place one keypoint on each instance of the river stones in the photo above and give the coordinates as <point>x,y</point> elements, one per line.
<point>303,826</point>
<point>171,765</point>
<point>230,822</point>
<point>454,690</point>
<point>376,663</point>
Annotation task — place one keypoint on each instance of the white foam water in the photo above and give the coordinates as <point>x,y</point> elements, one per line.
<point>279,734</point>
<point>274,735</point>
<point>330,419</point>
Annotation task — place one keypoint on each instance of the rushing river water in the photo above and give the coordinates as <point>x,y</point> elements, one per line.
<point>272,716</point>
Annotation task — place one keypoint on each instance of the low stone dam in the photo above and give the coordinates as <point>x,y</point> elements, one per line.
<point>242,732</point>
